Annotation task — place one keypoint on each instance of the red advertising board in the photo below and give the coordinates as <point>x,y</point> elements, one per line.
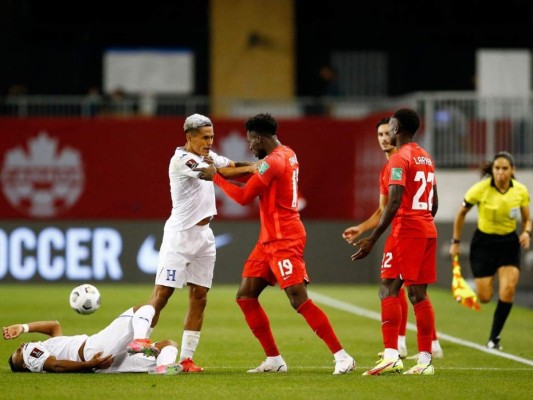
<point>94,169</point>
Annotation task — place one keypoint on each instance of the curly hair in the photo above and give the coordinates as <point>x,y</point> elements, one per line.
<point>262,124</point>
<point>408,120</point>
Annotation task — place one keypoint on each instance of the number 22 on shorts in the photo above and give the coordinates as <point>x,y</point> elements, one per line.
<point>386,260</point>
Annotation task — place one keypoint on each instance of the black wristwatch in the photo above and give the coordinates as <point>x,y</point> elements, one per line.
<point>455,241</point>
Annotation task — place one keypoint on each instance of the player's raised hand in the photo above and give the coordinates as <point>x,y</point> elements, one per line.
<point>365,247</point>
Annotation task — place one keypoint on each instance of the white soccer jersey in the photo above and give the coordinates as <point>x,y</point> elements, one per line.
<point>61,347</point>
<point>193,199</point>
<point>113,340</point>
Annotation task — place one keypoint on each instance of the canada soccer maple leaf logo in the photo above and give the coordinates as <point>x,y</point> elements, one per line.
<point>42,182</point>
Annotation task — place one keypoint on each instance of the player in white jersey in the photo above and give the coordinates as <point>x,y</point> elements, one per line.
<point>188,252</point>
<point>103,352</point>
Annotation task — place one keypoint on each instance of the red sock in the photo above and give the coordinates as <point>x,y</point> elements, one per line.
<point>319,322</point>
<point>391,315</point>
<point>434,331</point>
<point>259,324</point>
<point>405,310</point>
<point>425,325</point>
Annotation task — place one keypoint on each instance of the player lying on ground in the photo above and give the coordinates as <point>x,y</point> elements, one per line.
<point>106,351</point>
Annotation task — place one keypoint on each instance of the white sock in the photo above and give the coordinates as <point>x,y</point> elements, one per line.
<point>424,357</point>
<point>141,321</point>
<point>189,342</point>
<point>340,355</point>
<point>435,345</point>
<point>167,355</point>
<point>391,354</point>
<point>276,360</point>
<point>401,342</point>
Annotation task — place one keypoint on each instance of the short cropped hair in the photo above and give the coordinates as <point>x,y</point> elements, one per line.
<point>15,368</point>
<point>408,120</point>
<point>195,122</point>
<point>382,121</point>
<point>262,124</point>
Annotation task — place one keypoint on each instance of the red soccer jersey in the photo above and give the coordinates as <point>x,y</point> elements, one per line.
<point>413,168</point>
<point>276,184</point>
<point>278,203</point>
<point>384,179</point>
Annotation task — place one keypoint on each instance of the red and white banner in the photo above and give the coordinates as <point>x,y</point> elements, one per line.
<point>86,169</point>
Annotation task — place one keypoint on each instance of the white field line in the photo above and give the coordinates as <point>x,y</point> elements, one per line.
<point>341,305</point>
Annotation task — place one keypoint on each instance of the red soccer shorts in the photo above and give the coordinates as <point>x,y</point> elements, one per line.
<point>414,260</point>
<point>279,261</point>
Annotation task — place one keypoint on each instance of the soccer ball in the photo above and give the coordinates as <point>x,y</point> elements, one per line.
<point>85,299</point>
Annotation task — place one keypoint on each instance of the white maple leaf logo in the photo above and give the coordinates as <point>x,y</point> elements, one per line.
<point>42,182</point>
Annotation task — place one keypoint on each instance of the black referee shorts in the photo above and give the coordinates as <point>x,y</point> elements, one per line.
<point>489,252</point>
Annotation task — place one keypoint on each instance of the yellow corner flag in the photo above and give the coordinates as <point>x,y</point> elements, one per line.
<point>462,293</point>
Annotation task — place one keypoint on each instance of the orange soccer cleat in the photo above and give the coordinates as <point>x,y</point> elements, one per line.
<point>189,366</point>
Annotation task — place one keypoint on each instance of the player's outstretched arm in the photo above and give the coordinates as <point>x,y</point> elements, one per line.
<point>253,188</point>
<point>353,232</point>
<point>50,328</point>
<point>366,244</point>
<point>239,170</point>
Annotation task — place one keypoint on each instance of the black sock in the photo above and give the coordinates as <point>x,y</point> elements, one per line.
<point>500,316</point>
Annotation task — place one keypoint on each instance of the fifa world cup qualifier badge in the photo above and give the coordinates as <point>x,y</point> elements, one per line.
<point>262,168</point>
<point>396,174</point>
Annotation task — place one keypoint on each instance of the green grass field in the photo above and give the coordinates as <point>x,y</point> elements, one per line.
<point>227,349</point>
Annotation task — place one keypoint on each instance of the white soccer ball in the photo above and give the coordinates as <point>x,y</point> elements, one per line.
<point>85,299</point>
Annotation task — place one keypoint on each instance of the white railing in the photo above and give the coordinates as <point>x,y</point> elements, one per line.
<point>460,129</point>
<point>463,129</point>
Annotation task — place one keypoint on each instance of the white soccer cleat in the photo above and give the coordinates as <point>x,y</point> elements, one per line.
<point>344,366</point>
<point>269,366</point>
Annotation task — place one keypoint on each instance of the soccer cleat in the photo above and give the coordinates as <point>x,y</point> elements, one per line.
<point>170,369</point>
<point>269,366</point>
<point>421,369</point>
<point>386,367</point>
<point>494,344</point>
<point>188,365</point>
<point>144,346</point>
<point>344,366</point>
